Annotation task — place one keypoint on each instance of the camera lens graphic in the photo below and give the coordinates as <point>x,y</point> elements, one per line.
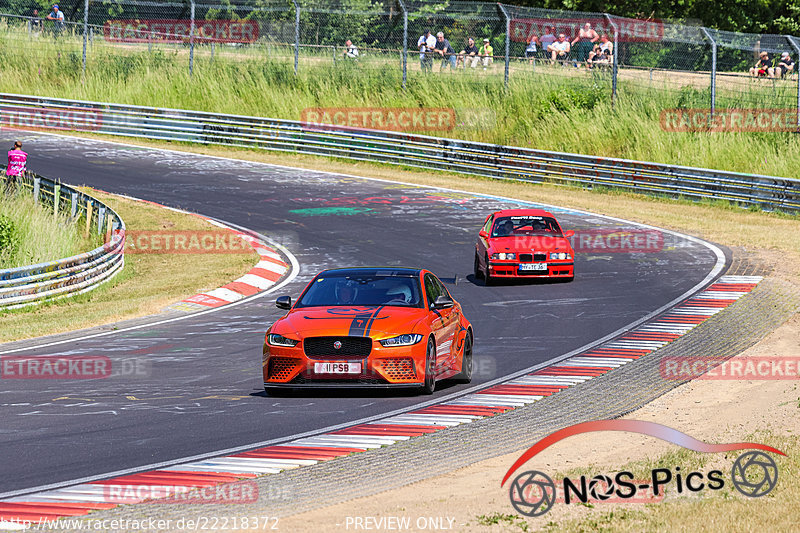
<point>532,493</point>
<point>601,488</point>
<point>754,474</point>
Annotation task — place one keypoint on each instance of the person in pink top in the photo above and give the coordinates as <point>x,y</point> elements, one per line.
<point>17,159</point>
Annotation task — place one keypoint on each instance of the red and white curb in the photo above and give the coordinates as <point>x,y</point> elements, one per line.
<point>267,272</point>
<point>270,268</point>
<point>80,500</point>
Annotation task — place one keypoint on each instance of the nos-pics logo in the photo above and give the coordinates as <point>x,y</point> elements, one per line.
<point>533,493</point>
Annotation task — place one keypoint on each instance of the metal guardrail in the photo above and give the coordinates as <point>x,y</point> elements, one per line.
<point>33,284</point>
<point>494,161</point>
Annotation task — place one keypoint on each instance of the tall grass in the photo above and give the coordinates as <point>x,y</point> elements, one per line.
<point>552,108</point>
<point>31,234</point>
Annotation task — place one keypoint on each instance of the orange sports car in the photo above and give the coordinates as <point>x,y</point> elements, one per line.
<point>379,327</point>
<point>516,243</point>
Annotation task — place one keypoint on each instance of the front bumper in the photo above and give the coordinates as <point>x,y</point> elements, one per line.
<point>340,385</point>
<point>398,366</point>
<point>511,269</point>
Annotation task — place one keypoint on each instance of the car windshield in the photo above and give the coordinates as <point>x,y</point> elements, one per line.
<point>525,225</point>
<point>358,289</point>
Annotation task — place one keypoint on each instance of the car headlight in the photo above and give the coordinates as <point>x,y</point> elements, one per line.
<point>560,255</point>
<point>504,255</point>
<point>402,340</point>
<point>273,339</point>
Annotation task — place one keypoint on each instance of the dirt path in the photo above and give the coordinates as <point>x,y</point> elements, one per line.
<point>713,411</point>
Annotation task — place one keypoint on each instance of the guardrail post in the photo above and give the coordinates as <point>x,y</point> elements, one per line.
<point>89,209</point>
<point>74,205</point>
<point>614,56</point>
<point>713,69</point>
<point>191,41</point>
<point>101,218</point>
<point>296,35</point>
<point>109,228</point>
<point>85,35</point>
<point>405,41</point>
<point>797,50</point>
<point>508,42</point>
<point>36,185</point>
<point>56,198</point>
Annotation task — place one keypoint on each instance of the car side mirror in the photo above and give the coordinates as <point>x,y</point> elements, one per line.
<point>283,302</point>
<point>569,234</point>
<point>442,302</point>
<point>483,233</point>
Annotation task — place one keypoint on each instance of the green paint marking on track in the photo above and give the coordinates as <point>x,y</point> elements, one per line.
<point>328,211</point>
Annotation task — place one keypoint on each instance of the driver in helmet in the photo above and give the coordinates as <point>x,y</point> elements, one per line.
<point>505,229</point>
<point>346,292</point>
<point>400,293</point>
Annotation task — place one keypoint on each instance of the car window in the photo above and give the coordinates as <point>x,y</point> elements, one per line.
<point>525,225</point>
<point>432,289</point>
<point>488,225</point>
<point>442,288</point>
<point>362,289</point>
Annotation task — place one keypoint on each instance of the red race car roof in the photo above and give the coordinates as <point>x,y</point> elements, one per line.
<point>523,212</point>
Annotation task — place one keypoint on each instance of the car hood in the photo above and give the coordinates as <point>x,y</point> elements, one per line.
<point>371,321</point>
<point>527,244</point>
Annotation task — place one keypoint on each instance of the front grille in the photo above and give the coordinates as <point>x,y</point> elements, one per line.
<point>363,379</point>
<point>281,367</point>
<point>529,258</point>
<point>322,347</point>
<point>399,368</point>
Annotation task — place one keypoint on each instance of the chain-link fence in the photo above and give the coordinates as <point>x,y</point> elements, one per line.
<point>406,40</point>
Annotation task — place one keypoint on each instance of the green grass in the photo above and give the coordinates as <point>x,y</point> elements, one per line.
<point>148,283</point>
<point>30,233</point>
<point>552,109</point>
<point>706,510</point>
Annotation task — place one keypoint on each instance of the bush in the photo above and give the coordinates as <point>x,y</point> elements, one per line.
<point>9,239</point>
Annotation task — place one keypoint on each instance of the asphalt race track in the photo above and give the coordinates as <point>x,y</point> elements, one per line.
<point>201,388</point>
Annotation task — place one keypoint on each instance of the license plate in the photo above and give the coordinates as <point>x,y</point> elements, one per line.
<point>337,368</point>
<point>533,266</point>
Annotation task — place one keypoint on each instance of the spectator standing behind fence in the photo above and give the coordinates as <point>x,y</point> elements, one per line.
<point>36,22</point>
<point>487,54</point>
<point>445,51</point>
<point>469,55</point>
<point>57,17</point>
<point>602,53</point>
<point>350,50</point>
<point>426,43</point>
<point>559,50</point>
<point>762,66</point>
<point>530,49</point>
<point>785,66</point>
<point>17,160</point>
<point>585,39</point>
<point>546,40</point>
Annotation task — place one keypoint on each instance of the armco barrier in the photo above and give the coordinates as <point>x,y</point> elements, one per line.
<point>495,161</point>
<point>32,284</point>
